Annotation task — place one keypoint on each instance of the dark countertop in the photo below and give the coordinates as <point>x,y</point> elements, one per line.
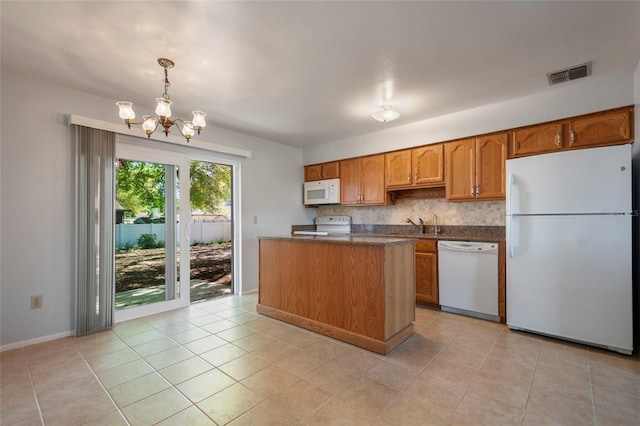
<point>375,240</point>
<point>491,234</point>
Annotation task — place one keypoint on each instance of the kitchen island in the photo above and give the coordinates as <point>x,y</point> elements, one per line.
<point>357,289</point>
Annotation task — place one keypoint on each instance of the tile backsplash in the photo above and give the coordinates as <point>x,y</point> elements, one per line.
<point>476,213</point>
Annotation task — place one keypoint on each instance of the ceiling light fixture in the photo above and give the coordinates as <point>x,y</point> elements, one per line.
<point>385,113</point>
<point>163,109</point>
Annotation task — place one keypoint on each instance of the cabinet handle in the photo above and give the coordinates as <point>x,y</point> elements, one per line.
<point>408,177</point>
<point>416,175</point>
<point>477,190</point>
<point>473,190</point>
<point>558,139</point>
<point>573,137</point>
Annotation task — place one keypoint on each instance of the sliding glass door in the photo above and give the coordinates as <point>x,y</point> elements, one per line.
<point>151,232</point>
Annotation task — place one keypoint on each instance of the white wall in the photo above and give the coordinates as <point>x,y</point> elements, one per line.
<point>37,195</point>
<point>591,94</point>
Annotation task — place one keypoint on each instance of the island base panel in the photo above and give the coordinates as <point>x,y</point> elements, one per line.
<point>373,345</point>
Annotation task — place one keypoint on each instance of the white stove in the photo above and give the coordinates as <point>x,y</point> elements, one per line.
<point>329,225</point>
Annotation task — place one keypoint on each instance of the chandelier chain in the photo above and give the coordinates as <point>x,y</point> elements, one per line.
<point>166,85</point>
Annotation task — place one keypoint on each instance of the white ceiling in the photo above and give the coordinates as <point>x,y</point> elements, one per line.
<point>305,73</point>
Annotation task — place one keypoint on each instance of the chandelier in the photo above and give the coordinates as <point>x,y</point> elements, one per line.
<point>163,109</point>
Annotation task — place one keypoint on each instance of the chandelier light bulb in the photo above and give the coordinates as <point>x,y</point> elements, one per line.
<point>163,109</point>
<point>385,113</point>
<point>187,130</point>
<point>198,119</point>
<point>126,110</point>
<point>149,124</point>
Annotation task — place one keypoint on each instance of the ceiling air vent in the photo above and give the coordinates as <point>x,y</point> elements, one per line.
<point>571,73</point>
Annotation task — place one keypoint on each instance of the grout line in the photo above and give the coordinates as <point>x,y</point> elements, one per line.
<point>593,398</point>
<point>464,394</point>
<point>535,366</point>
<point>33,386</point>
<point>100,381</point>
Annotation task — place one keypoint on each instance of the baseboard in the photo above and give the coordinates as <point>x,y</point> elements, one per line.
<point>37,340</point>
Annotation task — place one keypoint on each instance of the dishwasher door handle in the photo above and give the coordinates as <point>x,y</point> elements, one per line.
<point>467,247</point>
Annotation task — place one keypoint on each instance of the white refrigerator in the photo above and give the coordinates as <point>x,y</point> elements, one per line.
<point>569,246</point>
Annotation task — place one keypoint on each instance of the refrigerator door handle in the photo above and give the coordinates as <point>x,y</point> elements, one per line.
<point>512,220</point>
<point>512,184</point>
<point>514,234</point>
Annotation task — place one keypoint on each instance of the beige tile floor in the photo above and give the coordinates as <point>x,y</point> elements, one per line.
<point>219,362</point>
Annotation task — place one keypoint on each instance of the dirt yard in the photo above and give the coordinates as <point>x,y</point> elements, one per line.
<point>137,269</point>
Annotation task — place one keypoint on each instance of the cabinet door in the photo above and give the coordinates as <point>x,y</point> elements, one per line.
<point>607,128</point>
<point>350,181</point>
<point>331,170</point>
<point>428,165</point>
<point>398,168</point>
<point>460,169</point>
<point>537,140</point>
<point>427,278</point>
<point>491,157</point>
<point>312,173</point>
<point>372,180</point>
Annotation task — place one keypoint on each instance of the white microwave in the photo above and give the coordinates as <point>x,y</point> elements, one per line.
<point>322,192</point>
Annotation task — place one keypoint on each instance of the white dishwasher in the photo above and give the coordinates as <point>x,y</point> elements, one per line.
<point>468,278</point>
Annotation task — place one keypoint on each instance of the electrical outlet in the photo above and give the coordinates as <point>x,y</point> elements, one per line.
<point>36,302</point>
<point>255,220</point>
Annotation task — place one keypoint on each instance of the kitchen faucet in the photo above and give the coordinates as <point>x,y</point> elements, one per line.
<point>436,229</point>
<point>421,224</point>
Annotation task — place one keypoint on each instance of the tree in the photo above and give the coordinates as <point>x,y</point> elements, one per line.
<point>141,186</point>
<point>210,186</point>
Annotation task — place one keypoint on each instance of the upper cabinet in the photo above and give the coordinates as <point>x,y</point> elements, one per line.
<point>604,128</point>
<point>415,168</point>
<point>475,168</point>
<point>399,168</point>
<point>460,169</point>
<point>536,139</point>
<point>362,181</point>
<point>469,169</point>
<point>329,170</point>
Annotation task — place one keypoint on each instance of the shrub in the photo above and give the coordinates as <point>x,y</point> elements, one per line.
<point>148,241</point>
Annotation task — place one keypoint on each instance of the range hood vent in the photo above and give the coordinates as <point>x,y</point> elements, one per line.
<point>572,73</point>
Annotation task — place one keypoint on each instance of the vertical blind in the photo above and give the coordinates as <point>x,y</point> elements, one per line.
<point>95,248</point>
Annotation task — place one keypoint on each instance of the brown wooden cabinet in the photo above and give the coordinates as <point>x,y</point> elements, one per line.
<point>329,170</point>
<point>428,163</point>
<point>475,168</point>
<point>605,128</point>
<point>399,168</point>
<point>427,273</point>
<point>362,181</point>
<point>611,127</point>
<point>415,168</point>
<point>360,292</point>
<point>536,140</point>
